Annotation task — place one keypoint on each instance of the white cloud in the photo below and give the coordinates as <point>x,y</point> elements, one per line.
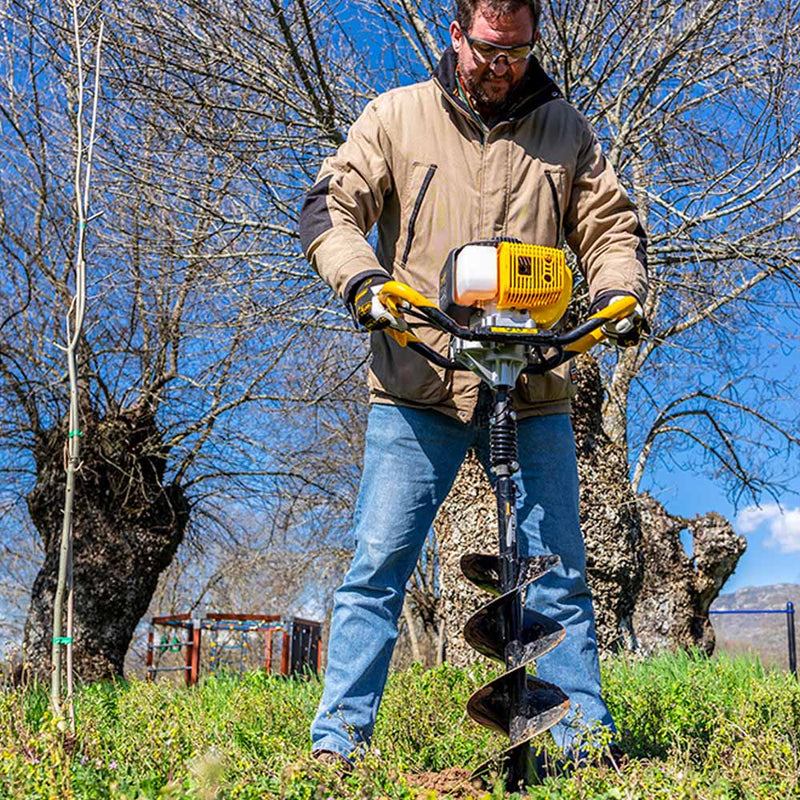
<point>783,525</point>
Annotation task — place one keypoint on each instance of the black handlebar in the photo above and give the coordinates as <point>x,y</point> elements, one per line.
<point>540,340</point>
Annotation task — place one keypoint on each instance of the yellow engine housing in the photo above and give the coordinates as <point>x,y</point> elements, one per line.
<point>535,279</point>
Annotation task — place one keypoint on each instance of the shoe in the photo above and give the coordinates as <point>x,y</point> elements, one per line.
<point>337,761</point>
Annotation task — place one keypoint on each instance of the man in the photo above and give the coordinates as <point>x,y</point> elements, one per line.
<point>486,148</point>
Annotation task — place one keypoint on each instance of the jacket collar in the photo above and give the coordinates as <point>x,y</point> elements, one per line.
<point>536,89</point>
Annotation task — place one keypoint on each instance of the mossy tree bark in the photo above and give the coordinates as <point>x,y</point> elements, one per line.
<point>609,515</point>
<point>128,524</point>
<point>672,606</point>
<point>466,523</point>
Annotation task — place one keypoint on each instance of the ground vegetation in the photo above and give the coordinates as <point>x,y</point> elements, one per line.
<point>692,727</point>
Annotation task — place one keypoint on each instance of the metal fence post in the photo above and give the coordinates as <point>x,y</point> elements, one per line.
<point>790,632</point>
<point>149,657</point>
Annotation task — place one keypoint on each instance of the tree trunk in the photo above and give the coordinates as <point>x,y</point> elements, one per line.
<point>127,526</point>
<point>672,607</point>
<point>609,515</point>
<point>466,523</point>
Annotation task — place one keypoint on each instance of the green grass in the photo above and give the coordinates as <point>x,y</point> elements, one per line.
<point>694,728</point>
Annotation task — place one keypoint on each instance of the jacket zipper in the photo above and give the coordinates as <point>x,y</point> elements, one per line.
<point>554,192</point>
<point>415,212</point>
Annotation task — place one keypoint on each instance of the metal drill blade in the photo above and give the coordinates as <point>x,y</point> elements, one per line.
<point>483,570</point>
<point>538,705</point>
<point>486,631</point>
<point>542,705</point>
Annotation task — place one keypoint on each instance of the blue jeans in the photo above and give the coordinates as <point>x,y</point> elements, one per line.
<point>410,462</point>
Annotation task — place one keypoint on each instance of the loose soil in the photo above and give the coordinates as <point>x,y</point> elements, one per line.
<point>453,782</point>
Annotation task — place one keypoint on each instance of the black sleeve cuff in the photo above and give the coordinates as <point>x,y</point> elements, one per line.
<point>605,298</point>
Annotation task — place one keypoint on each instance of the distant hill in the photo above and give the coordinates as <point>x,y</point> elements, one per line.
<point>764,634</point>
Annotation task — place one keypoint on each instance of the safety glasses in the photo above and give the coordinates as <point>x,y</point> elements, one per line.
<point>487,51</point>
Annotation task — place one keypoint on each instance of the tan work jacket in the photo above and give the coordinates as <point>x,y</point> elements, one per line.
<point>417,163</point>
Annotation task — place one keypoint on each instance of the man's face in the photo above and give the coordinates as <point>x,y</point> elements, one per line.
<point>490,84</point>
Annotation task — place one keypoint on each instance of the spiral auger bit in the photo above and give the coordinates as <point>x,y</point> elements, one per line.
<point>515,703</point>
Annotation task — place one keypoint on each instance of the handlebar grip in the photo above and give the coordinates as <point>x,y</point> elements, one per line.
<point>389,294</point>
<point>392,290</point>
<point>619,309</point>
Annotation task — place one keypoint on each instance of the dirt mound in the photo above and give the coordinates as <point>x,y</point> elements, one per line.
<point>453,783</point>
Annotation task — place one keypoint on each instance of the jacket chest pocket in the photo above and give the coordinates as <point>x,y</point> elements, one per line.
<point>555,180</point>
<point>416,190</point>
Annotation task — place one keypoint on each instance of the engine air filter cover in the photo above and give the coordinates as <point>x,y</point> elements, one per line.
<point>535,279</point>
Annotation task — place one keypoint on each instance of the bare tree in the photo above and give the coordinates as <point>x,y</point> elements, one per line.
<point>696,104</point>
<point>62,704</point>
<point>201,309</point>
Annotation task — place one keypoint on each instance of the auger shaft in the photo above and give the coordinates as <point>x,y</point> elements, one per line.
<point>503,456</point>
<point>516,704</point>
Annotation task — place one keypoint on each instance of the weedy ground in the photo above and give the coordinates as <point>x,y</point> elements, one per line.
<point>693,727</point>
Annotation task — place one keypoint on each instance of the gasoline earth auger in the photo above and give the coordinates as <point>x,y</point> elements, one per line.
<point>499,301</point>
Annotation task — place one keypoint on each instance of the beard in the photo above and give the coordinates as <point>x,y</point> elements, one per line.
<point>492,95</point>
